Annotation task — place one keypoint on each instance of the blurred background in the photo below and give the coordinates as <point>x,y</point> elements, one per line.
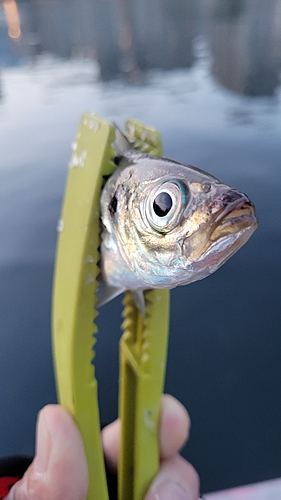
<point>206,74</point>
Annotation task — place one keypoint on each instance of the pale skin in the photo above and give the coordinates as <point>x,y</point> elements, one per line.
<point>59,470</point>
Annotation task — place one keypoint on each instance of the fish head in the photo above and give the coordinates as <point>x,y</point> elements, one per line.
<point>170,224</point>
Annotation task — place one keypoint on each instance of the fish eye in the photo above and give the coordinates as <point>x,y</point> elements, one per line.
<point>162,204</point>
<point>165,205</point>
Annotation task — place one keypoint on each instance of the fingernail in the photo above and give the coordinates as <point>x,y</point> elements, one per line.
<point>43,445</point>
<point>168,490</point>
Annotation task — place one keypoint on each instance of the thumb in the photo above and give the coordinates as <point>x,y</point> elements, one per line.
<point>59,470</point>
<point>177,480</point>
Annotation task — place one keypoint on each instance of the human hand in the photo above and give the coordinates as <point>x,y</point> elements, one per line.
<point>59,470</point>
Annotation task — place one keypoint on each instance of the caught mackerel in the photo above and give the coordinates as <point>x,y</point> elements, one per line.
<point>166,224</point>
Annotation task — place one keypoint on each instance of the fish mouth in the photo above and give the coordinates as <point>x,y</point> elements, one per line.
<point>235,217</point>
<point>233,224</point>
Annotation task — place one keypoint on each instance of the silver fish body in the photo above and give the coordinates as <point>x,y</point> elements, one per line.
<point>167,224</point>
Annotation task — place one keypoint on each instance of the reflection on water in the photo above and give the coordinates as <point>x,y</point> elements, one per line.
<point>225,343</point>
<point>245,42</point>
<point>128,38</point>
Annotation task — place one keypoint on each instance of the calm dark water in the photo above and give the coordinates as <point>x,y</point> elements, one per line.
<point>206,74</point>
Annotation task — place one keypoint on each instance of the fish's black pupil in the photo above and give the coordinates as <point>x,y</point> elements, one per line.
<point>162,204</point>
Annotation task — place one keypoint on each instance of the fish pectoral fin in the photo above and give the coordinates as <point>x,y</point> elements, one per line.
<point>139,300</point>
<point>106,293</point>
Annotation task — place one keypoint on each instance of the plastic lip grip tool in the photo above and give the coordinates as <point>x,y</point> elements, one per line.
<point>143,345</point>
